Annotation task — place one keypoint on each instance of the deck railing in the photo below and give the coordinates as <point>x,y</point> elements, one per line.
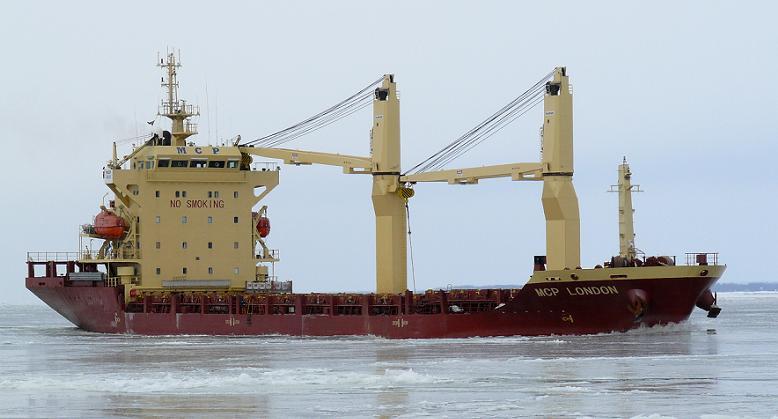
<point>702,258</point>
<point>52,256</point>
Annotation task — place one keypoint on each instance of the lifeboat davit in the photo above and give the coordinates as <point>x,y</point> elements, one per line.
<point>263,226</point>
<point>109,226</point>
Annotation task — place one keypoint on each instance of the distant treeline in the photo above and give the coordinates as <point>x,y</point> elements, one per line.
<point>751,286</point>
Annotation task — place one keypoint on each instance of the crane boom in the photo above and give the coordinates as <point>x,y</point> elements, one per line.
<point>350,164</point>
<point>471,175</point>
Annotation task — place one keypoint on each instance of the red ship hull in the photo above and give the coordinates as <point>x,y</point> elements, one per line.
<point>536,309</point>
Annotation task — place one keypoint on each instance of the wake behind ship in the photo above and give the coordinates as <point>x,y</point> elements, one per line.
<point>185,239</point>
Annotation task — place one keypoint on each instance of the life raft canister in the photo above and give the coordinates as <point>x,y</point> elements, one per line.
<point>263,226</point>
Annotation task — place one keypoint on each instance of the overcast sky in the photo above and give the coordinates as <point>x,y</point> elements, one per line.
<point>685,90</point>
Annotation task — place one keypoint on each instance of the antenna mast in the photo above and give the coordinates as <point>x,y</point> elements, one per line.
<point>176,110</point>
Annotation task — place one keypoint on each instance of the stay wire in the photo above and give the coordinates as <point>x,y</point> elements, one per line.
<point>319,115</point>
<point>465,140</point>
<point>294,133</point>
<point>491,130</point>
<point>316,125</point>
<point>455,148</point>
<point>358,96</point>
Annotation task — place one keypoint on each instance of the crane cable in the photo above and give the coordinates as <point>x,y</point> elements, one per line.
<point>340,110</point>
<point>410,243</point>
<point>490,126</point>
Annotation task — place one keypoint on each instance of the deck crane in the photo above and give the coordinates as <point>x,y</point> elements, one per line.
<point>560,203</point>
<point>391,186</point>
<point>384,166</point>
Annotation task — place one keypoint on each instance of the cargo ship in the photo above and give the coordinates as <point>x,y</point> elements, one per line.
<point>185,239</point>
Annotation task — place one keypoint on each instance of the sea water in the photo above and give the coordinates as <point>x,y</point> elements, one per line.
<point>701,368</point>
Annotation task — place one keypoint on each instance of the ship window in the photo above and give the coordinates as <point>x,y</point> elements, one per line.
<point>163,163</point>
<point>178,194</point>
<point>180,163</point>
<point>210,270</point>
<point>235,220</point>
<point>235,194</point>
<point>210,245</point>
<point>210,220</point>
<point>149,165</point>
<point>198,163</point>
<point>183,245</point>
<point>156,219</point>
<point>216,164</point>
<point>236,270</point>
<point>156,194</point>
<point>232,164</point>
<point>234,245</point>
<point>183,271</point>
<point>210,194</point>
<point>183,194</point>
<point>215,194</point>
<point>158,245</point>
<point>159,271</point>
<point>184,219</point>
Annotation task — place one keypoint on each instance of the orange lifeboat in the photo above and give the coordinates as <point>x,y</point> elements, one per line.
<point>109,226</point>
<point>263,226</point>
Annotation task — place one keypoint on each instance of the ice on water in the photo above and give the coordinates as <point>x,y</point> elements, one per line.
<point>709,368</point>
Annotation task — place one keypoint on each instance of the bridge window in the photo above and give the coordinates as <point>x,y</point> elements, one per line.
<point>183,194</point>
<point>232,164</point>
<point>215,194</point>
<point>180,163</point>
<point>198,163</point>
<point>235,194</point>
<point>163,163</point>
<point>216,164</point>
<point>178,194</point>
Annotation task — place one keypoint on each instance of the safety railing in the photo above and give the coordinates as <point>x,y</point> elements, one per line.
<point>110,255</point>
<point>702,258</point>
<point>52,256</point>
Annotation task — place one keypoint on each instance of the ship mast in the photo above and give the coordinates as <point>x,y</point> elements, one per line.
<point>177,110</point>
<point>625,188</point>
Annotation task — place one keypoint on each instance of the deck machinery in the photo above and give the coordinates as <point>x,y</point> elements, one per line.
<point>184,245</point>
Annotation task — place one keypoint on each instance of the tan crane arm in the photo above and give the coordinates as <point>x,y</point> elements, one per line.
<point>471,175</point>
<point>350,164</point>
